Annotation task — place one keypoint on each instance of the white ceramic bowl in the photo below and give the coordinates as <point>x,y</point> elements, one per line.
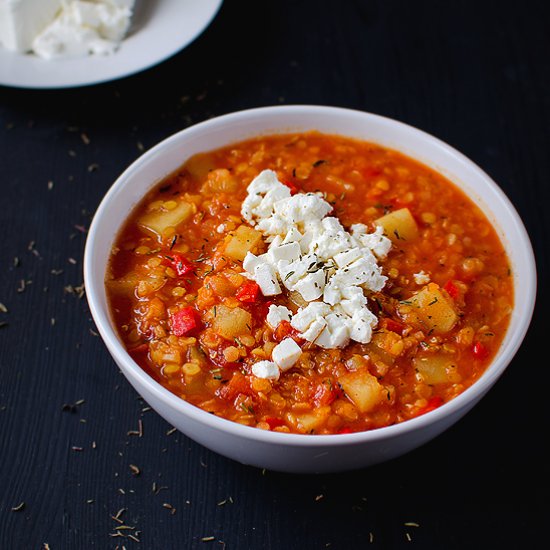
<point>293,452</point>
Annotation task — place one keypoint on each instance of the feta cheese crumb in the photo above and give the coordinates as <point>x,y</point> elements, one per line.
<point>286,353</point>
<point>276,314</point>
<point>264,275</point>
<point>266,369</point>
<point>421,278</point>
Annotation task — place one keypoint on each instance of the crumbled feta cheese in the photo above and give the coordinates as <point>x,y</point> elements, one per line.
<point>313,254</point>
<point>286,353</point>
<point>84,27</point>
<point>251,261</point>
<point>289,252</point>
<point>266,369</point>
<point>347,257</point>
<point>276,314</point>
<point>314,329</point>
<point>311,286</point>
<point>292,272</point>
<point>336,334</point>
<point>421,278</point>
<point>265,276</point>
<point>377,242</point>
<point>305,316</point>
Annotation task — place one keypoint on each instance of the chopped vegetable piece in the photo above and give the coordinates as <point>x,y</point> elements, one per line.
<point>274,422</point>
<point>184,321</point>
<point>480,351</point>
<point>284,330</point>
<point>393,325</point>
<point>433,403</point>
<point>243,240</point>
<point>230,323</point>
<point>310,421</point>
<point>345,430</point>
<point>363,389</point>
<point>292,186</point>
<point>159,221</point>
<point>399,225</point>
<point>326,393</point>
<point>248,292</point>
<point>429,310</point>
<point>238,384</point>
<point>181,264</point>
<point>451,289</point>
<point>435,368</point>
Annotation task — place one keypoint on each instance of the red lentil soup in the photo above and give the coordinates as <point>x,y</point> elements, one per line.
<point>190,318</point>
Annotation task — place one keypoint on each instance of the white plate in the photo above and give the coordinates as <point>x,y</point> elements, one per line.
<point>160,29</point>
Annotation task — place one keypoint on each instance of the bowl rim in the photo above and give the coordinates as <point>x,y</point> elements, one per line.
<point>462,402</point>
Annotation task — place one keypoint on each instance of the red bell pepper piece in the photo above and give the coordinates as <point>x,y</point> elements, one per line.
<point>480,351</point>
<point>326,393</point>
<point>345,430</point>
<point>181,264</point>
<point>293,188</point>
<point>184,321</point>
<point>433,403</point>
<point>452,290</point>
<point>248,292</point>
<point>274,422</point>
<point>393,325</point>
<point>239,383</point>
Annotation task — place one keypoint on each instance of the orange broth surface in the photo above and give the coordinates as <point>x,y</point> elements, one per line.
<point>441,315</point>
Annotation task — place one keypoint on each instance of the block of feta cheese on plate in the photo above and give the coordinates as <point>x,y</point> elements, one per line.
<point>22,20</point>
<point>64,28</point>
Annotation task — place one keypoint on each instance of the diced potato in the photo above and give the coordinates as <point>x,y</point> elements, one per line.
<point>386,345</point>
<point>243,240</point>
<point>160,220</point>
<point>199,165</point>
<point>156,309</point>
<point>429,310</point>
<point>438,368</point>
<point>229,322</point>
<point>124,285</point>
<point>221,285</point>
<point>221,181</point>
<point>309,421</point>
<point>399,225</point>
<point>196,355</point>
<point>363,389</point>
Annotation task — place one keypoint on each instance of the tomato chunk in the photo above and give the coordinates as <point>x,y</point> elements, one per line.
<point>274,422</point>
<point>452,290</point>
<point>184,320</point>
<point>326,393</point>
<point>248,292</point>
<point>181,264</point>
<point>293,187</point>
<point>480,351</point>
<point>345,430</point>
<point>393,325</point>
<point>433,403</point>
<point>285,329</point>
<point>239,383</point>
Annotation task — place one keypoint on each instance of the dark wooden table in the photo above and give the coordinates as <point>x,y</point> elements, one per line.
<point>82,455</point>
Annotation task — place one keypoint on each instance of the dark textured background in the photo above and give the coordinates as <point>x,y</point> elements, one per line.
<point>474,73</point>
